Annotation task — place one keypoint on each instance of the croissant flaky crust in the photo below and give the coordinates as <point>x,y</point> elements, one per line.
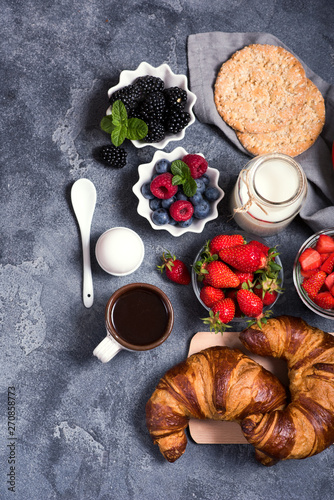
<point>306,426</point>
<point>218,383</point>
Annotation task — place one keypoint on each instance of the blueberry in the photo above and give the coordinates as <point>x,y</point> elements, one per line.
<point>181,196</point>
<point>201,186</point>
<point>162,166</point>
<point>202,210</point>
<point>160,217</point>
<point>196,199</point>
<point>205,179</point>
<point>186,223</point>
<point>155,203</point>
<point>167,203</point>
<point>211,193</point>
<point>146,191</point>
<point>172,222</point>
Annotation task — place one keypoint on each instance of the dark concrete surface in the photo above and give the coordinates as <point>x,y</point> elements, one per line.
<point>80,425</point>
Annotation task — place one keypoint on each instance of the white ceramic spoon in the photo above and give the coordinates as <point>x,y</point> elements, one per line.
<point>83,197</point>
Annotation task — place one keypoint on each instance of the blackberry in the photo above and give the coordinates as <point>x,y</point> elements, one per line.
<point>149,84</point>
<point>112,156</point>
<point>129,95</point>
<point>176,120</point>
<point>156,131</point>
<point>175,97</point>
<point>153,106</point>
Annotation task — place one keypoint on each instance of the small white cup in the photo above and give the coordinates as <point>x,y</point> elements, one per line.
<point>113,342</point>
<point>119,251</point>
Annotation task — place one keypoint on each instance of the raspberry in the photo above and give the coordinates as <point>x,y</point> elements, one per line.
<point>181,210</point>
<point>112,156</point>
<point>197,165</point>
<point>162,186</point>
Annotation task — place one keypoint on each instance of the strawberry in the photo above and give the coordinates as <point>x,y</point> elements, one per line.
<point>210,295</point>
<point>176,270</point>
<point>313,284</point>
<point>324,256</point>
<point>250,304</point>
<point>328,264</point>
<point>225,309</point>
<point>309,259</point>
<point>197,165</point>
<point>231,293</point>
<point>325,244</point>
<point>224,241</point>
<point>311,272</point>
<point>244,277</point>
<point>324,300</point>
<point>268,298</point>
<point>219,275</point>
<point>222,312</point>
<point>264,248</point>
<point>329,281</point>
<point>162,186</point>
<point>248,258</point>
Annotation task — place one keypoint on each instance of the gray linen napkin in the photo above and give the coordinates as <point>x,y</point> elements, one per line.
<point>206,53</point>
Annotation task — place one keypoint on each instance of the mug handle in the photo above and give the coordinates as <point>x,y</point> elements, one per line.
<point>107,349</point>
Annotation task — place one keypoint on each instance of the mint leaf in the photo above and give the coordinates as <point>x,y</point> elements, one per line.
<point>190,187</point>
<point>177,167</point>
<point>181,175</point>
<point>118,112</point>
<point>136,129</point>
<point>118,135</point>
<point>177,180</point>
<point>107,124</point>
<point>120,127</point>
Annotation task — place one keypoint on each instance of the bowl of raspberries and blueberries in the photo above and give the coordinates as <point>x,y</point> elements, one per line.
<point>178,192</point>
<point>149,106</point>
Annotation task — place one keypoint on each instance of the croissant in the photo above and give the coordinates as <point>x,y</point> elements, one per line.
<point>218,383</point>
<point>306,426</point>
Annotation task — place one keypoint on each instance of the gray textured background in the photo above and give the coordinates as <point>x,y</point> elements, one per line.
<point>80,424</point>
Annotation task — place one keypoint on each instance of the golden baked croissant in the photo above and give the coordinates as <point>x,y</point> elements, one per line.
<point>217,383</point>
<point>306,426</point>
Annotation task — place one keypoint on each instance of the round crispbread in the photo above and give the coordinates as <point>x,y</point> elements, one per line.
<point>260,88</point>
<point>295,138</point>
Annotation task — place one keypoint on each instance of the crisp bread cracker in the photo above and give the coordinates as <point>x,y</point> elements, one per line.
<point>301,132</point>
<point>260,88</point>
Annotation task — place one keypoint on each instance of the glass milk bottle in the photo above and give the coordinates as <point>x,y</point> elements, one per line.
<point>268,194</point>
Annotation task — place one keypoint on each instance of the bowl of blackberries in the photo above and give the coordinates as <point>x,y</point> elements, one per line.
<point>158,97</point>
<point>178,192</point>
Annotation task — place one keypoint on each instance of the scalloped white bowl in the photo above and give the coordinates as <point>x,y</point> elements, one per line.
<point>170,80</point>
<point>145,172</point>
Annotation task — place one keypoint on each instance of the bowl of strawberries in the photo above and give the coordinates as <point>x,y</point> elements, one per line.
<point>237,277</point>
<point>313,273</point>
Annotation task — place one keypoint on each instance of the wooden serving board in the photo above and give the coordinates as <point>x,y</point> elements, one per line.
<point>217,432</point>
<point>212,431</point>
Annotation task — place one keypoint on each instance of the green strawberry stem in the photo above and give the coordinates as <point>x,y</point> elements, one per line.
<point>260,320</point>
<point>205,258</point>
<point>215,323</point>
<point>168,261</point>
